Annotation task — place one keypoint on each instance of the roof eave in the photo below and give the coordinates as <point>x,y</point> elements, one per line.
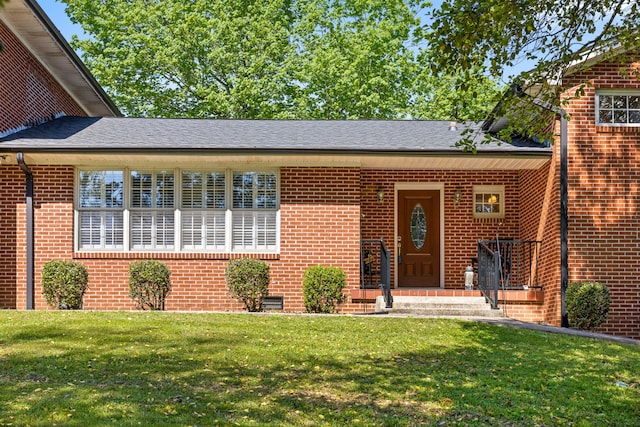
<point>36,31</point>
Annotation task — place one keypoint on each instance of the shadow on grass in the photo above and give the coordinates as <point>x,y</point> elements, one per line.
<point>257,373</point>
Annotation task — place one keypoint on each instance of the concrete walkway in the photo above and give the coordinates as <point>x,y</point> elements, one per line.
<point>512,323</point>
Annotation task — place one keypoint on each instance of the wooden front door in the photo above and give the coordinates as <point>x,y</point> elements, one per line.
<point>418,238</point>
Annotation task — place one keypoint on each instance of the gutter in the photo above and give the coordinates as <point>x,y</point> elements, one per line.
<point>564,218</point>
<point>30,232</point>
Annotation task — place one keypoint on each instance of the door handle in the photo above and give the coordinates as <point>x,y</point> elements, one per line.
<point>399,253</point>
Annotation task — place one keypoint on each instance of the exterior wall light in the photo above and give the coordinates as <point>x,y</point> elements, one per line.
<point>380,194</point>
<point>457,196</point>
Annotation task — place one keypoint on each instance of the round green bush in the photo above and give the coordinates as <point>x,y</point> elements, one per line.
<point>248,281</point>
<point>64,284</point>
<point>587,304</point>
<point>322,287</point>
<point>149,284</point>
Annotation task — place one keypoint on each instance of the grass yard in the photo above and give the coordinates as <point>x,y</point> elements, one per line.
<point>142,368</point>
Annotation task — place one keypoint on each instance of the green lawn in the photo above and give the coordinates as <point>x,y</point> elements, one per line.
<point>96,368</point>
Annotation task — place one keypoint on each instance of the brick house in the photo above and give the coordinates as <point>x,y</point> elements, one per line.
<point>195,193</point>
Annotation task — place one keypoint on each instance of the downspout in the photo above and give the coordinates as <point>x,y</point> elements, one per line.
<point>564,218</point>
<point>30,237</point>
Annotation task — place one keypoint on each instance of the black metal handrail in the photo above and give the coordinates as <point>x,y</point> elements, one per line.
<point>507,264</point>
<point>375,268</point>
<point>488,273</point>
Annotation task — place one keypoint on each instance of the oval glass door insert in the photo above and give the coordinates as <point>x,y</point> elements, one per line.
<point>418,226</point>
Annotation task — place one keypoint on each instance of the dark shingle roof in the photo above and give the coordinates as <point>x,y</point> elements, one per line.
<point>139,134</point>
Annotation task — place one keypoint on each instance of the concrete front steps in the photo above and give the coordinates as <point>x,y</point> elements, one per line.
<point>439,306</point>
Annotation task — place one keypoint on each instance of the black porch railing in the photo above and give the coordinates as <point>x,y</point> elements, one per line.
<point>375,268</point>
<point>505,265</point>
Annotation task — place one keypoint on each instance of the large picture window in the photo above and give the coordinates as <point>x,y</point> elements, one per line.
<point>177,210</point>
<point>618,108</point>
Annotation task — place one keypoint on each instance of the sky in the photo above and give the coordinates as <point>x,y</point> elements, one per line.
<point>55,11</point>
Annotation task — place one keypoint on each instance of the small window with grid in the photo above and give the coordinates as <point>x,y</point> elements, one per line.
<point>618,109</point>
<point>488,201</point>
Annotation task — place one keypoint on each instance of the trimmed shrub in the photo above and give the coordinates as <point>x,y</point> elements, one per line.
<point>587,304</point>
<point>149,284</point>
<point>248,281</point>
<point>322,287</point>
<point>64,284</point>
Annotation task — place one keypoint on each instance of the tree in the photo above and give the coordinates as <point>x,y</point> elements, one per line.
<point>494,36</point>
<point>326,59</point>
<point>440,96</point>
<point>250,59</point>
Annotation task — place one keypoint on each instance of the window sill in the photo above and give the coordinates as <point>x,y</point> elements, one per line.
<point>173,255</point>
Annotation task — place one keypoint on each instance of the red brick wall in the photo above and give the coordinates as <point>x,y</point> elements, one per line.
<point>320,218</point>
<point>27,93</point>
<point>27,90</point>
<point>12,208</point>
<point>604,198</point>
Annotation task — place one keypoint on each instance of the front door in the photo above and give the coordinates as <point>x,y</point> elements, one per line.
<point>418,238</point>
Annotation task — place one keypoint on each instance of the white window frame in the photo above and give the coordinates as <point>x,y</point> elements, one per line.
<point>154,213</point>
<point>490,190</point>
<point>205,214</point>
<point>178,210</point>
<point>616,92</point>
<point>256,215</point>
<point>102,212</point>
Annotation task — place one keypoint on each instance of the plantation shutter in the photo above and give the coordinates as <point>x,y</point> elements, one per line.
<point>203,210</point>
<point>152,216</point>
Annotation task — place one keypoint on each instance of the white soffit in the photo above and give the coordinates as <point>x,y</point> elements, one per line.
<point>413,162</point>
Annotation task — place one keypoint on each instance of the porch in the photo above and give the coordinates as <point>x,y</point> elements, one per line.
<point>505,283</point>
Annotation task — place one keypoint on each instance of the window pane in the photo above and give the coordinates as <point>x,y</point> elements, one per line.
<point>266,231</point>
<point>606,116</point>
<point>114,229</point>
<point>192,230</point>
<point>141,193</point>
<point>100,189</point>
<point>216,230</point>
<point>243,190</point>
<point>606,101</point>
<point>192,190</point>
<point>634,102</point>
<point>266,191</point>
<point>254,230</point>
<point>141,230</point>
<point>634,116</point>
<point>90,224</point>
<point>620,102</point>
<point>242,233</point>
<point>152,230</point>
<point>215,190</point>
<point>620,117</point>
<point>203,230</point>
<point>164,229</point>
<point>101,230</point>
<point>164,190</point>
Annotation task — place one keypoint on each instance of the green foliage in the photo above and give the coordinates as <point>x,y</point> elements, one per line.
<point>248,280</point>
<point>322,288</point>
<point>149,284</point>
<point>587,304</point>
<point>64,284</point>
<point>267,59</point>
<point>488,36</point>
